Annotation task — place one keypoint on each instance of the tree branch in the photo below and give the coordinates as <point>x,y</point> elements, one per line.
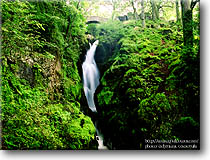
<point>78,4</point>
<point>68,27</point>
<point>166,6</point>
<point>193,3</point>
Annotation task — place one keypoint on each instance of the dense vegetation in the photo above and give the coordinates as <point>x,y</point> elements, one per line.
<point>149,86</point>
<point>41,86</point>
<point>147,92</point>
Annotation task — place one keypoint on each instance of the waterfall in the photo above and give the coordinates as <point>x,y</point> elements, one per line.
<point>90,76</point>
<point>99,138</point>
<point>90,83</point>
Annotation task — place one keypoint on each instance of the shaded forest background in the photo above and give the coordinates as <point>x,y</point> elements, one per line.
<point>148,59</point>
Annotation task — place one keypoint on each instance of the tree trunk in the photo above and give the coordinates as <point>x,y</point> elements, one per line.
<point>156,10</point>
<point>187,23</point>
<point>153,10</point>
<point>134,9</point>
<point>155,13</point>
<point>113,9</point>
<point>142,14</point>
<point>177,12</point>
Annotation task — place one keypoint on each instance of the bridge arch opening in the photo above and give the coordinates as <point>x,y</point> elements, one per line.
<point>89,22</point>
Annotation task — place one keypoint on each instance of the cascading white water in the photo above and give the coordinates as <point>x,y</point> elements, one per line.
<point>90,76</point>
<point>100,138</point>
<point>90,82</point>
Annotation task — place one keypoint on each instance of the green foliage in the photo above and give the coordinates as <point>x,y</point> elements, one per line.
<point>92,28</point>
<point>32,124</point>
<point>141,96</point>
<point>149,84</point>
<point>108,34</point>
<point>154,112</point>
<point>41,86</point>
<point>184,128</point>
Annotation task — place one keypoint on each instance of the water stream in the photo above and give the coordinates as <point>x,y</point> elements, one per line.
<point>90,83</point>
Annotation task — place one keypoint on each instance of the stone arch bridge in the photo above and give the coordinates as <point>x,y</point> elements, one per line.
<point>95,19</point>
